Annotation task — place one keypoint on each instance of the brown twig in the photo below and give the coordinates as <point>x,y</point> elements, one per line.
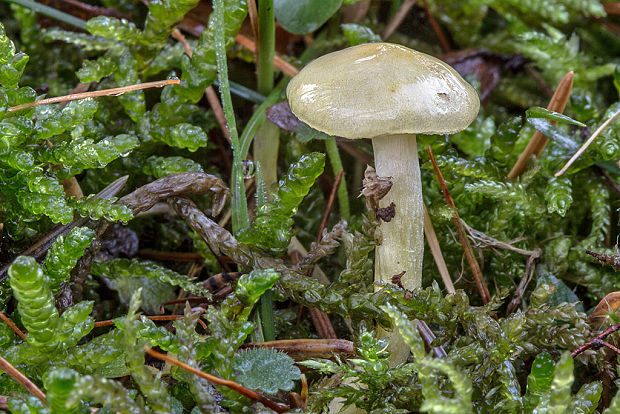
<point>589,141</point>
<point>330,205</point>
<point>398,18</point>
<point>469,253</point>
<point>433,243</point>
<point>429,337</point>
<point>281,64</point>
<point>22,380</point>
<point>218,111</point>
<point>95,94</point>
<point>442,38</point>
<point>596,341</point>
<point>302,349</point>
<point>13,327</point>
<point>539,141</point>
<point>238,388</point>
<point>155,318</point>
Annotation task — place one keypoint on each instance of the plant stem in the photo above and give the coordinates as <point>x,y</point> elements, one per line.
<point>240,218</point>
<point>259,117</point>
<point>52,12</point>
<point>267,140</point>
<point>336,162</point>
<point>266,312</point>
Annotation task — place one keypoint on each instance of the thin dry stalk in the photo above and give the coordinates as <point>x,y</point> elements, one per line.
<point>594,342</point>
<point>13,327</point>
<point>330,205</point>
<point>218,111</point>
<point>302,349</point>
<point>433,243</point>
<point>442,38</point>
<point>96,94</point>
<point>586,144</point>
<point>398,18</point>
<point>281,64</point>
<point>469,253</point>
<point>238,388</point>
<point>156,318</point>
<point>539,141</point>
<point>22,380</point>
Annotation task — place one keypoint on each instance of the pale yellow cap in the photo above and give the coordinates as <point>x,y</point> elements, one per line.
<point>381,88</point>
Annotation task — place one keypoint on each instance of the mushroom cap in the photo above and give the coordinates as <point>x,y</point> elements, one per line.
<point>376,89</point>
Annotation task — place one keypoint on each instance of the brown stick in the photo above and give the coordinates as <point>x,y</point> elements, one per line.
<point>281,64</point>
<point>22,380</point>
<point>442,38</point>
<point>330,205</point>
<point>398,18</point>
<point>156,318</point>
<point>433,243</point>
<point>596,340</point>
<point>539,141</point>
<point>302,349</point>
<point>238,388</point>
<point>13,327</point>
<point>95,94</point>
<point>469,253</point>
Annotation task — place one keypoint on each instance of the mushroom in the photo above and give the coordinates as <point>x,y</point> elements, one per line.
<point>388,93</point>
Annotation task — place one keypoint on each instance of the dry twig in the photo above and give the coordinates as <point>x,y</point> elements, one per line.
<point>433,243</point>
<point>13,327</point>
<point>586,144</point>
<point>469,254</point>
<point>22,380</point>
<point>539,141</point>
<point>95,94</point>
<point>238,388</point>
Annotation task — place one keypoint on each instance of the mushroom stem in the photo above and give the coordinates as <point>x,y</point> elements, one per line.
<point>402,238</point>
<point>402,243</point>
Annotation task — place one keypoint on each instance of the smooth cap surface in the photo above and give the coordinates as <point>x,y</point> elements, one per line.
<point>381,88</point>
